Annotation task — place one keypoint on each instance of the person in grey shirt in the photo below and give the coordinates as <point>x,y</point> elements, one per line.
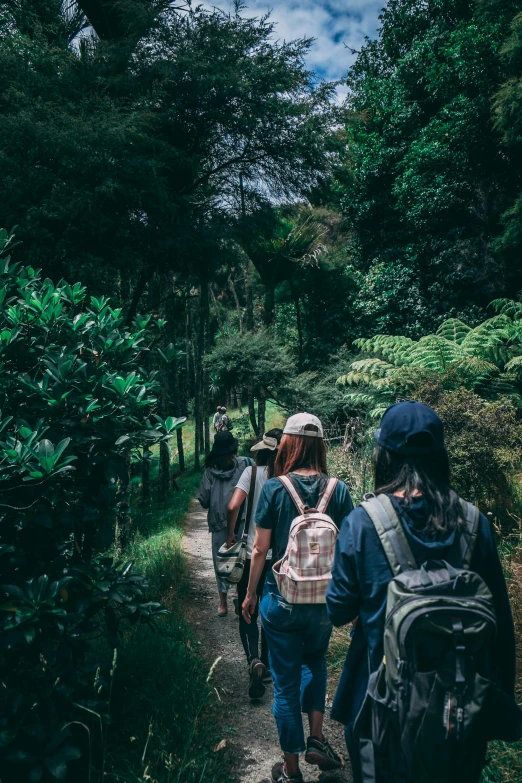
<point>223,470</point>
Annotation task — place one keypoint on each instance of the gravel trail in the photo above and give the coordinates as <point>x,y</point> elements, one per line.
<point>248,727</point>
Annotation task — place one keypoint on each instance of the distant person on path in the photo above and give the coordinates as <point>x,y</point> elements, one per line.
<point>223,470</point>
<point>266,453</point>
<point>225,421</point>
<point>297,633</point>
<point>411,468</point>
<point>217,421</point>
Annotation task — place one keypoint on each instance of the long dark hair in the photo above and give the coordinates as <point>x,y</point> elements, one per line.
<point>428,474</point>
<point>301,451</point>
<point>268,456</point>
<point>220,461</point>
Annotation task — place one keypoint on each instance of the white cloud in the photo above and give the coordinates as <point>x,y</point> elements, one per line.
<point>335,25</point>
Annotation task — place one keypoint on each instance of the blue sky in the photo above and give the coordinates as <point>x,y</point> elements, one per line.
<point>333,23</point>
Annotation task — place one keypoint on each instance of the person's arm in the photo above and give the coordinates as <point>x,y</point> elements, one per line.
<point>236,501</point>
<point>259,552</point>
<point>204,490</point>
<point>491,571</point>
<point>343,596</point>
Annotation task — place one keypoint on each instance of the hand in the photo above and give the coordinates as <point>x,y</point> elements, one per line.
<point>249,607</point>
<point>231,540</point>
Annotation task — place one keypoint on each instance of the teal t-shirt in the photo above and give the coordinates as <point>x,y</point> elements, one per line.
<point>276,510</point>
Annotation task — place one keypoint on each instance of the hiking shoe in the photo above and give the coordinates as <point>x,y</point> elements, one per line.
<point>256,689</point>
<point>279,774</point>
<point>321,753</point>
<point>266,679</point>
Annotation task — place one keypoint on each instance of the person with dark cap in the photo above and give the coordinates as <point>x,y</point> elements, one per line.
<point>411,468</point>
<point>223,470</point>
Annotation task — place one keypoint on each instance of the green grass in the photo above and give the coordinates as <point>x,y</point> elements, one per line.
<point>160,727</point>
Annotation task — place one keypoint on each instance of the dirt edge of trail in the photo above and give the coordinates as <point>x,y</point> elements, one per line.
<point>248,727</point>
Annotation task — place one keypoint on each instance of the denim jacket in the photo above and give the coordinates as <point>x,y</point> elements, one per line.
<point>360,578</point>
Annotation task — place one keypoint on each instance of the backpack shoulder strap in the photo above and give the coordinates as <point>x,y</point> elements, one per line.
<point>250,503</point>
<point>327,494</point>
<point>468,535</point>
<point>391,533</point>
<point>288,484</point>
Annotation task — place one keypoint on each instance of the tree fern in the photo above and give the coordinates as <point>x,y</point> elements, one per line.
<point>486,359</point>
<point>454,330</point>
<point>434,353</point>
<point>508,307</point>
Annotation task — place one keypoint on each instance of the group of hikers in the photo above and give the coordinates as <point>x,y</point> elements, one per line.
<point>430,669</point>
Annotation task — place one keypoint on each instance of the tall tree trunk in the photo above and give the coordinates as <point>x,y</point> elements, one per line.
<point>261,415</point>
<point>252,411</point>
<point>145,474</point>
<point>176,406</point>
<point>247,266</point>
<point>269,305</point>
<point>164,460</point>
<point>221,325</point>
<point>123,512</point>
<point>197,406</point>
<point>141,284</point>
<point>297,304</point>
<point>205,377</point>
<point>238,305</point>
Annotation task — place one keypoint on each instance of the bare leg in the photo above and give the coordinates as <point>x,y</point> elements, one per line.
<point>222,602</point>
<point>315,719</point>
<point>291,764</point>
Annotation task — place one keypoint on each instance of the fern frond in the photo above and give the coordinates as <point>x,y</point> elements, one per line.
<point>434,353</point>
<point>475,367</point>
<point>454,330</point>
<point>391,347</point>
<point>507,307</point>
<point>514,365</point>
<point>373,366</point>
<point>376,404</point>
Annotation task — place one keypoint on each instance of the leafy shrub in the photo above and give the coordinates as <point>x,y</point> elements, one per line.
<point>484,442</point>
<point>74,401</point>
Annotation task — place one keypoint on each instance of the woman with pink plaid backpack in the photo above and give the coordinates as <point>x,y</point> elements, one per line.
<point>298,516</point>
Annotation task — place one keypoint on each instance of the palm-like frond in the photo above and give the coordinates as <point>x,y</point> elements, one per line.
<point>366,371</point>
<point>507,307</point>
<point>434,353</point>
<point>453,330</point>
<point>391,347</point>
<point>486,358</point>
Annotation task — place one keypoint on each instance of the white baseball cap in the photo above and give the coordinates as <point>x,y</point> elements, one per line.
<point>296,425</point>
<point>266,443</point>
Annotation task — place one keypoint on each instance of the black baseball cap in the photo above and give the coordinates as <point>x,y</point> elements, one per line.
<point>411,428</point>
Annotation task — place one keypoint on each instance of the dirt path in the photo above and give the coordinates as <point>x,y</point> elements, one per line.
<point>252,744</point>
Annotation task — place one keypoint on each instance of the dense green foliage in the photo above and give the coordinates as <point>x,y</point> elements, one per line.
<point>431,176</point>
<point>73,400</point>
<point>113,151</point>
<point>486,359</point>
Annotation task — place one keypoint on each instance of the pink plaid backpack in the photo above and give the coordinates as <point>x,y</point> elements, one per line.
<point>305,569</point>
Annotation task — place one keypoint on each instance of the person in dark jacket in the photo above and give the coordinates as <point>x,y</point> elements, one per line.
<point>411,466</point>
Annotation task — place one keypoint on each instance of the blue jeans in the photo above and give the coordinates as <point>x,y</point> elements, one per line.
<point>297,637</point>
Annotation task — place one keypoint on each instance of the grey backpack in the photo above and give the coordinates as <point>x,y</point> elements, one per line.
<point>433,704</point>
